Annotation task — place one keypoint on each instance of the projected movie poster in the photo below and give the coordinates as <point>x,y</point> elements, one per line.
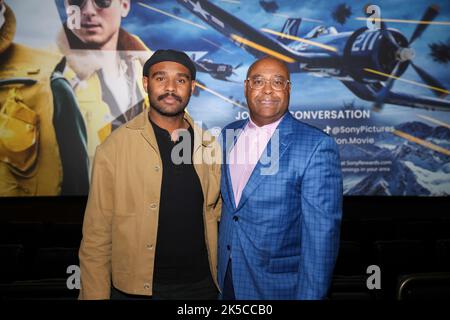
<point>374,76</point>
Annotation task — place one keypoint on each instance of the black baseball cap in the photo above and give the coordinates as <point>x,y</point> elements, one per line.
<point>170,55</point>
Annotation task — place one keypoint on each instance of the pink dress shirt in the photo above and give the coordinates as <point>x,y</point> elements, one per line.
<point>246,153</point>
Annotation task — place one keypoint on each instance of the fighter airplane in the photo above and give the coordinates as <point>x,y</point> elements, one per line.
<point>219,71</point>
<point>367,61</point>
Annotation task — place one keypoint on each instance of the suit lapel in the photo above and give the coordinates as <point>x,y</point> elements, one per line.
<point>227,150</point>
<point>257,176</point>
<point>141,123</point>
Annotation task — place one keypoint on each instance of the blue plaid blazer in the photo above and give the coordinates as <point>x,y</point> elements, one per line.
<point>283,235</point>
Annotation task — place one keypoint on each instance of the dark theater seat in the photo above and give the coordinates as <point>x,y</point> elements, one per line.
<point>351,288</point>
<point>48,289</point>
<point>443,254</point>
<point>30,234</point>
<point>442,229</point>
<point>12,262</point>
<point>350,259</point>
<point>408,240</point>
<point>64,235</point>
<point>351,230</point>
<point>377,229</point>
<point>399,257</point>
<point>415,230</point>
<point>53,262</point>
<point>425,286</point>
<point>405,256</point>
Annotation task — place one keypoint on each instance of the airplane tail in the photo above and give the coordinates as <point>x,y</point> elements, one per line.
<point>196,55</point>
<point>291,27</point>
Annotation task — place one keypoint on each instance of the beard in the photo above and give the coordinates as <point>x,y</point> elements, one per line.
<point>168,111</point>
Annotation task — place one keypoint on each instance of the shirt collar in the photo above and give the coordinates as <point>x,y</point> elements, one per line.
<point>268,127</point>
<point>160,132</point>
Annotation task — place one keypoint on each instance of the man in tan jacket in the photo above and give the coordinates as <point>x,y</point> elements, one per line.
<point>150,226</point>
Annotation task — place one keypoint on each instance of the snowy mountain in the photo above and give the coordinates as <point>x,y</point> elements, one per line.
<point>415,169</point>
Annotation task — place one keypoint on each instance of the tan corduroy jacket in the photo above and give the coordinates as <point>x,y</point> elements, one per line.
<point>121,217</point>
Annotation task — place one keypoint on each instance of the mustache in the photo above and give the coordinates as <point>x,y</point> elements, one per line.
<point>165,95</point>
<point>270,100</point>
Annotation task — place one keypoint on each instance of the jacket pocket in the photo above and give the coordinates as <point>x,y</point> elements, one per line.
<point>284,264</point>
<point>19,134</point>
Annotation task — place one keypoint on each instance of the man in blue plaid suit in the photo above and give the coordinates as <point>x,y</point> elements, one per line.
<point>282,197</point>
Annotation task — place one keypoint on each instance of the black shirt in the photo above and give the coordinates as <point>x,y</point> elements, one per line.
<point>181,255</point>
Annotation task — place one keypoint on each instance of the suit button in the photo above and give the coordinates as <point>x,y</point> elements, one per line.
<point>228,247</point>
<point>235,218</point>
<point>146,286</point>
<point>149,246</point>
<point>153,206</point>
<point>157,168</point>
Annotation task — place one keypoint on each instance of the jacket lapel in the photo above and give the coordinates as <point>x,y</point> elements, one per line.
<point>226,168</point>
<point>141,123</point>
<point>261,170</point>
